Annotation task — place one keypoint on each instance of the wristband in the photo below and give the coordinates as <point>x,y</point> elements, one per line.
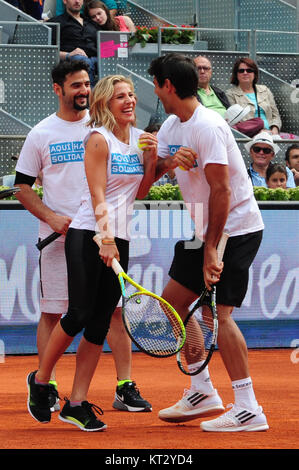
<point>67,56</point>
<point>108,241</point>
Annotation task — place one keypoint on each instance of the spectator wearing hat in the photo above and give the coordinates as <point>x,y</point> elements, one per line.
<point>262,150</point>
<point>292,161</point>
<point>209,95</point>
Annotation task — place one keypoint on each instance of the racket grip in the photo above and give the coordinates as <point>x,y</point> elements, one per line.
<point>116,267</point>
<point>46,241</point>
<point>221,245</point>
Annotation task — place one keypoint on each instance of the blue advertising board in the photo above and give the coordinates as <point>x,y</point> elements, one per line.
<point>269,316</point>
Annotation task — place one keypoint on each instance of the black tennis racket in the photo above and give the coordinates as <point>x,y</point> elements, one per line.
<point>46,241</point>
<point>9,192</point>
<point>201,328</point>
<point>152,323</point>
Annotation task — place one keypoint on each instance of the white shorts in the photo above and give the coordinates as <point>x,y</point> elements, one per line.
<point>53,276</point>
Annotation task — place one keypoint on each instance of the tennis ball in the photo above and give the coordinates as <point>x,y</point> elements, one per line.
<point>138,301</point>
<point>141,146</point>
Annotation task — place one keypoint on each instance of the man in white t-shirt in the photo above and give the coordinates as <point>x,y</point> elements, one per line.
<point>198,144</point>
<point>55,148</point>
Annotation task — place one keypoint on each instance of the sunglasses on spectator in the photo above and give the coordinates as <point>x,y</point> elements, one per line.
<point>245,70</point>
<point>258,149</point>
<point>202,67</point>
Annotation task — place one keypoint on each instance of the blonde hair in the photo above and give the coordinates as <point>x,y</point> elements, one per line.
<point>100,114</point>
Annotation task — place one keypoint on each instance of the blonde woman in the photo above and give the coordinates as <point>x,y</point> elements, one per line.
<point>116,173</point>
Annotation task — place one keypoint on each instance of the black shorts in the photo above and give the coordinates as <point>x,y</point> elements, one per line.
<point>240,251</point>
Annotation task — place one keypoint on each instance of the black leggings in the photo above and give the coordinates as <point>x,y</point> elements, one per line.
<point>94,289</point>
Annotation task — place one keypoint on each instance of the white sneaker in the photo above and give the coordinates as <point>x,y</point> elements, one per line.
<point>237,419</point>
<point>56,406</point>
<point>194,404</point>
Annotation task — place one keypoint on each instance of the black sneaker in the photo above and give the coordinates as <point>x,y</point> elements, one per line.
<point>38,400</point>
<point>82,416</point>
<point>128,398</point>
<point>54,398</point>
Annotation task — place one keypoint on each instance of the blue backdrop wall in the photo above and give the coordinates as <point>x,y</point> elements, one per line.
<point>269,316</point>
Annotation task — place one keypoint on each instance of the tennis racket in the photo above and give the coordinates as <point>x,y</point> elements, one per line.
<point>46,241</point>
<point>9,192</point>
<point>151,322</point>
<point>201,328</point>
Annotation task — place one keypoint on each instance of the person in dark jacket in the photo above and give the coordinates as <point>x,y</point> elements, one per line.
<point>78,36</point>
<point>209,95</point>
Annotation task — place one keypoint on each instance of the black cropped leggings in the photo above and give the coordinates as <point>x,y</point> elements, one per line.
<point>94,289</point>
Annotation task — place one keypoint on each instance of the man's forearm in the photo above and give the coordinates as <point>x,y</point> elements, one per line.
<point>32,202</point>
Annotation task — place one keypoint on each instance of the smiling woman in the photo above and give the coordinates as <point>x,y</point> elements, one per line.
<point>116,173</point>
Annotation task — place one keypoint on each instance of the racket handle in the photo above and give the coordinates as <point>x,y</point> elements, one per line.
<point>46,241</point>
<point>116,267</point>
<point>221,245</point>
<point>115,264</point>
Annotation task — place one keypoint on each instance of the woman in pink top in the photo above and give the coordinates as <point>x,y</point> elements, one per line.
<point>100,14</point>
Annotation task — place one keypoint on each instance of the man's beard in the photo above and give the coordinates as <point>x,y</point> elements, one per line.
<point>79,107</point>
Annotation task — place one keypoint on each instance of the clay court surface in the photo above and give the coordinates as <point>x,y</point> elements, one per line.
<point>275,379</point>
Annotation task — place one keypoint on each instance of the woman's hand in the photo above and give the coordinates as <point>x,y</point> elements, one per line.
<point>108,252</point>
<point>149,144</point>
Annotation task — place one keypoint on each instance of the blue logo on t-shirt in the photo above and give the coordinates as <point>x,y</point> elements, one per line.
<point>174,148</point>
<point>126,164</point>
<point>65,152</point>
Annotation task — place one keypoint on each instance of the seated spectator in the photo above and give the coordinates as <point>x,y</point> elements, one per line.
<point>292,161</point>
<point>276,176</point>
<point>209,95</point>
<point>245,91</point>
<point>111,5</point>
<point>262,150</point>
<point>98,12</point>
<point>78,38</point>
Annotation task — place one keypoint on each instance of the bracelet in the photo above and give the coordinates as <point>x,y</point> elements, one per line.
<point>108,241</point>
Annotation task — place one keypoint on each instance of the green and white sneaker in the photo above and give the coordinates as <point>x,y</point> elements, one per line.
<point>82,416</point>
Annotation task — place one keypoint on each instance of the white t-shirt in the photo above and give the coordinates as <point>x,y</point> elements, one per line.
<point>55,147</point>
<point>124,174</point>
<point>210,137</point>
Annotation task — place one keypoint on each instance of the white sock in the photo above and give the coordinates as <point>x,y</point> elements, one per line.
<point>201,381</point>
<point>244,394</point>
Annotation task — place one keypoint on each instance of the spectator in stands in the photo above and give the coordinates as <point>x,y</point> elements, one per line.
<point>98,12</point>
<point>209,95</point>
<point>111,5</point>
<point>245,91</point>
<point>276,176</point>
<point>78,39</point>
<point>292,161</point>
<point>262,150</point>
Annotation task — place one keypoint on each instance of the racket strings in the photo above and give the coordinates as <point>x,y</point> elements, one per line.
<point>199,339</point>
<point>152,325</point>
